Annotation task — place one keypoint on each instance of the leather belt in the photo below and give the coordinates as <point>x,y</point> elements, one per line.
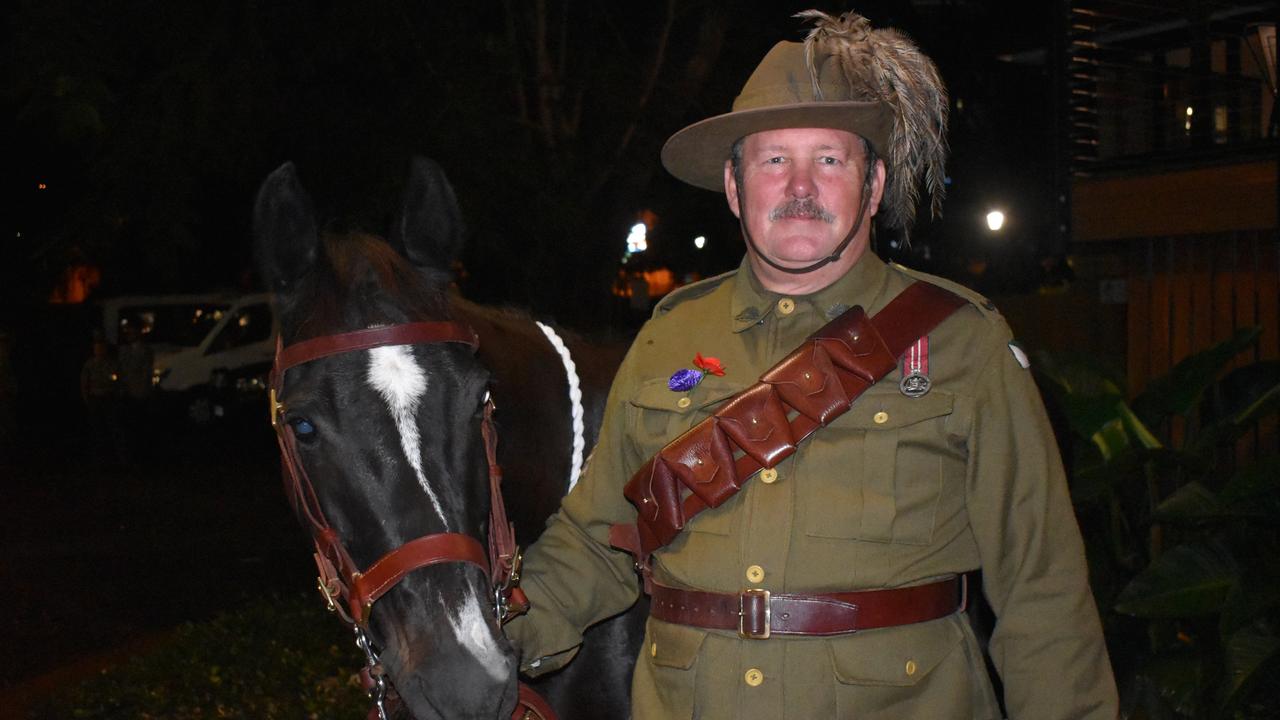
<point>757,614</point>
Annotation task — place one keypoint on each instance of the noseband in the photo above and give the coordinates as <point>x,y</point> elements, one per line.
<point>351,591</point>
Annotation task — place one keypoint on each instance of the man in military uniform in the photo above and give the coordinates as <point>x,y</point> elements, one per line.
<point>945,465</point>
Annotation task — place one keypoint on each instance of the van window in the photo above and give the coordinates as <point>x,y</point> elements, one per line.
<point>183,325</point>
<point>250,325</point>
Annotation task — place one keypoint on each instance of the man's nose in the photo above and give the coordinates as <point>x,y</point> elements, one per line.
<point>800,180</point>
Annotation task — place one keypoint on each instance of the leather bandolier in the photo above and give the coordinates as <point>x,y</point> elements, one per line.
<point>763,425</point>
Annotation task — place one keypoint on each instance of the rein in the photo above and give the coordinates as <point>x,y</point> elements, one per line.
<point>349,590</point>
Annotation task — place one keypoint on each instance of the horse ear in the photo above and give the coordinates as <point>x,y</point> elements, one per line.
<point>284,226</point>
<point>429,230</point>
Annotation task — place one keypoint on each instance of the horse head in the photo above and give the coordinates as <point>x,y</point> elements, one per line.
<point>390,437</point>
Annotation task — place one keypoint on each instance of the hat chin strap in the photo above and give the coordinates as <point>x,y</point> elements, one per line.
<point>835,254</point>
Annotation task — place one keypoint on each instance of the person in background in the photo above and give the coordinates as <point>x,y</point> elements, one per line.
<point>98,389</point>
<point>136,363</point>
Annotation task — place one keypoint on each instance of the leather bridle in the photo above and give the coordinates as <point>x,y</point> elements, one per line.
<point>349,590</point>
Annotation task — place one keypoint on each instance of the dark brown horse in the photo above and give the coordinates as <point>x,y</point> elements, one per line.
<point>390,438</point>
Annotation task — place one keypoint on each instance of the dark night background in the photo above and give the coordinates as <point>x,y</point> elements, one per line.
<point>136,134</point>
<point>138,131</point>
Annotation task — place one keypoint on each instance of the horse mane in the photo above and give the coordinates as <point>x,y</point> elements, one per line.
<point>360,281</point>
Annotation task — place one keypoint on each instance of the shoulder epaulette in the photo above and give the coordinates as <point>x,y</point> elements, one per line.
<point>690,291</point>
<point>977,300</point>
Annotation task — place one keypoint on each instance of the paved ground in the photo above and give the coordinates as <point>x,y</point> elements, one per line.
<point>95,560</point>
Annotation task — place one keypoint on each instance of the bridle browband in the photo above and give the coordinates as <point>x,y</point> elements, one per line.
<point>351,591</point>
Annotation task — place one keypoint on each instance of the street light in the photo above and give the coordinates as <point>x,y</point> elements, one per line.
<point>700,241</point>
<point>636,242</point>
<point>995,220</point>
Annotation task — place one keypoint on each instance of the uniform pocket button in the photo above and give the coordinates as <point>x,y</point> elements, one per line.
<point>753,677</point>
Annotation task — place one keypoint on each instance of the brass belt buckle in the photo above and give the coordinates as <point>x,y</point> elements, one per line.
<point>750,601</point>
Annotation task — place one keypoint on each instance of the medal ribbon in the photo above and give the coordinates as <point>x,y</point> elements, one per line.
<point>918,357</point>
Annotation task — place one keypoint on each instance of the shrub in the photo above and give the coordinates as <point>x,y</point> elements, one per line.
<point>274,658</point>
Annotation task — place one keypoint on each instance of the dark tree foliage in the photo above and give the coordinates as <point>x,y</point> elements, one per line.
<point>151,124</point>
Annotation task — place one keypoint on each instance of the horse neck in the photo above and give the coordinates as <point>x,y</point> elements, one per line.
<point>529,387</point>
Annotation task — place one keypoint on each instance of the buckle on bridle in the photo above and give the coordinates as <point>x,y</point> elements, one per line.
<point>330,592</point>
<point>503,592</point>
<point>754,614</point>
<point>276,409</point>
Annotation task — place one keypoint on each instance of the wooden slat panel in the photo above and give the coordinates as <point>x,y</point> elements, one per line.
<point>1245,286</point>
<point>1139,321</point>
<point>1223,291</point>
<point>1160,335</point>
<point>1269,300</point>
<point>1246,300</point>
<point>1202,294</point>
<point>1269,343</point>
<point>1180,321</point>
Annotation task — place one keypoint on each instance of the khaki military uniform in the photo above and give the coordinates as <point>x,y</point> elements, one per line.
<point>897,491</point>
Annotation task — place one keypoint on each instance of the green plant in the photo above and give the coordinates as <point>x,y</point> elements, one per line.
<point>1182,535</point>
<point>275,658</point>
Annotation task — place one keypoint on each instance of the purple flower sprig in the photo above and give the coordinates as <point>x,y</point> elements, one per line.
<point>684,380</point>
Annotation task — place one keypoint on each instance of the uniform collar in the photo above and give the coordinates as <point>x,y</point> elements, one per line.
<point>864,284</point>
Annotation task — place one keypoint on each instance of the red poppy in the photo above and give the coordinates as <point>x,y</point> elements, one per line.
<point>708,364</point>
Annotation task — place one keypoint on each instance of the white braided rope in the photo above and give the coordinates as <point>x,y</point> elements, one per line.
<point>575,400</point>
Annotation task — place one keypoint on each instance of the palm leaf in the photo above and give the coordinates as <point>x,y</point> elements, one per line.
<point>1232,427</point>
<point>1187,581</point>
<point>1248,653</point>
<point>1179,391</point>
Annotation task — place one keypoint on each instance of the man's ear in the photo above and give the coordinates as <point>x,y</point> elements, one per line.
<point>877,188</point>
<point>731,189</point>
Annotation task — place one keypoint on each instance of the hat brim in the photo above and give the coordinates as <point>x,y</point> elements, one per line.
<point>697,153</point>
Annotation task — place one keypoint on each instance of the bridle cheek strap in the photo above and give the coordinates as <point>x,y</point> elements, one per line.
<point>339,575</point>
<point>340,578</point>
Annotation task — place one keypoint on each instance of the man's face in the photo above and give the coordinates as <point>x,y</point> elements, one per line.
<point>801,192</point>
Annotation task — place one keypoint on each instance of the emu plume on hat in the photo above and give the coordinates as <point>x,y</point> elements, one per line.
<point>848,76</point>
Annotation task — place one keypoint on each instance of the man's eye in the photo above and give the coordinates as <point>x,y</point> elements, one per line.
<point>776,160</point>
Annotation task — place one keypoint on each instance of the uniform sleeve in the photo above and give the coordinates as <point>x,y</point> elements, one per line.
<point>572,577</point>
<point>1047,643</point>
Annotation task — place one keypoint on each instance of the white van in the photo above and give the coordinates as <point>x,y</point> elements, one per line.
<point>205,345</point>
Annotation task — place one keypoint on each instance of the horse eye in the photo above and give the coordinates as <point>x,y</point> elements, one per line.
<point>303,427</point>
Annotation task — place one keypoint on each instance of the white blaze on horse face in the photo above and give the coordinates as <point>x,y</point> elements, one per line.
<point>472,627</point>
<point>401,382</point>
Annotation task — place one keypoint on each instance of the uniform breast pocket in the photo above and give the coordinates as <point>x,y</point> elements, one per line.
<point>660,415</point>
<point>877,473</point>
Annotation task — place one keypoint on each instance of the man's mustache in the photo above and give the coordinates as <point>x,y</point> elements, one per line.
<point>801,209</point>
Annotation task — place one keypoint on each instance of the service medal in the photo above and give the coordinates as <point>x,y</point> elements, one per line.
<point>915,370</point>
<point>915,385</point>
